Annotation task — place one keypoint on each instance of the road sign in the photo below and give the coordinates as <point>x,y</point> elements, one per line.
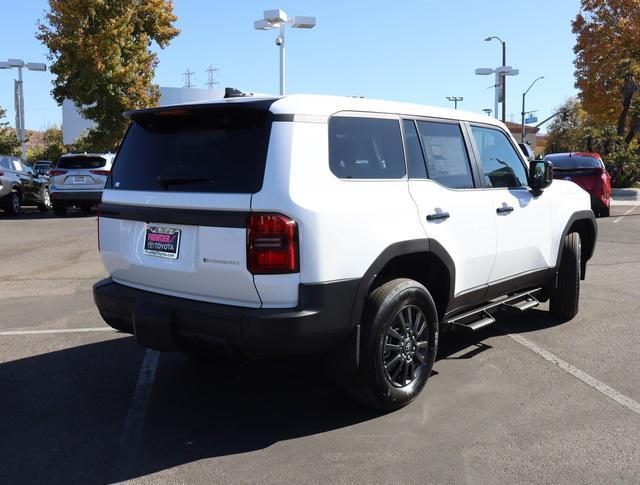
<point>531,119</point>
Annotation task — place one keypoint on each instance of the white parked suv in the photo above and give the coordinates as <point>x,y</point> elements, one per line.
<point>332,225</point>
<point>78,180</point>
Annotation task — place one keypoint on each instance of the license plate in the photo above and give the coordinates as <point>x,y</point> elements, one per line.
<point>79,180</point>
<point>162,241</point>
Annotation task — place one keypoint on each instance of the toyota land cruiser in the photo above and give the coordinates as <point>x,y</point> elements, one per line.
<point>314,224</point>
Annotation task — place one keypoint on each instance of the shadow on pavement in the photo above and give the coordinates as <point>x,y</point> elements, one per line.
<point>63,411</point>
<point>29,213</point>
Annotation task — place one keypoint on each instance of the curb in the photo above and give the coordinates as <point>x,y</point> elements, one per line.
<point>625,194</point>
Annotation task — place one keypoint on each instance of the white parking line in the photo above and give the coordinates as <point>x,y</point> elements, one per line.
<point>134,421</point>
<point>625,214</point>
<point>60,330</point>
<point>599,386</point>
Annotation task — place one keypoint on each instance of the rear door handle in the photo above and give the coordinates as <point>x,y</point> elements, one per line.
<point>505,209</point>
<point>437,216</point>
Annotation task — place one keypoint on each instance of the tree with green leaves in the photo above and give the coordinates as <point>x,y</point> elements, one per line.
<point>102,58</point>
<point>52,147</point>
<point>9,144</point>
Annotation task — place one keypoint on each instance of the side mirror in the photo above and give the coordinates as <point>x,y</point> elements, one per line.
<point>540,175</point>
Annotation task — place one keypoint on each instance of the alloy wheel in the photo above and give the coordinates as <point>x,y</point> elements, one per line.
<point>404,351</point>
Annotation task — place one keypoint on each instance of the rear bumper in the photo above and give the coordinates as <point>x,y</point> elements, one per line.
<point>75,195</point>
<point>321,323</point>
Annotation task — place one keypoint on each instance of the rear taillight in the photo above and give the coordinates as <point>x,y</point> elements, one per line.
<point>53,173</point>
<point>272,244</point>
<point>100,172</point>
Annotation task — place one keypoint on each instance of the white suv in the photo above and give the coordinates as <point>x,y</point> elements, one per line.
<point>332,225</point>
<point>78,180</point>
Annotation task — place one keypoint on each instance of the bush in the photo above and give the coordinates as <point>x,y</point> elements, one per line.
<point>624,167</point>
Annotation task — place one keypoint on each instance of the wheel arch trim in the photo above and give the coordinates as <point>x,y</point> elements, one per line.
<point>401,248</point>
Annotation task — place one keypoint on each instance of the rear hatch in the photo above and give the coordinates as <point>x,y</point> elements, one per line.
<point>174,212</point>
<point>583,170</point>
<point>80,172</point>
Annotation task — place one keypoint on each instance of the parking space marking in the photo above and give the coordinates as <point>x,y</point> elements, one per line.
<point>137,412</point>
<point>625,214</point>
<point>599,386</point>
<point>60,330</point>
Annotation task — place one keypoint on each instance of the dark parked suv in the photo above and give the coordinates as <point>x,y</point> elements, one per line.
<point>19,186</point>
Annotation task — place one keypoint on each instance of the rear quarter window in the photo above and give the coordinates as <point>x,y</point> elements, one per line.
<point>365,148</point>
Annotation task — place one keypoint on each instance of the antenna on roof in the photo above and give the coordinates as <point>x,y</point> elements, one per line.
<point>234,93</point>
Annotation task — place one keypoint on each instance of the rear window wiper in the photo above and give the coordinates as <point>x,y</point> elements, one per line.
<point>167,181</point>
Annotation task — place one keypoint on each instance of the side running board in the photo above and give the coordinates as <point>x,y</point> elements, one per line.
<point>480,317</point>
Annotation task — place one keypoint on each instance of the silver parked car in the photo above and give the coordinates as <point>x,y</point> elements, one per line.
<point>78,179</point>
<point>20,185</point>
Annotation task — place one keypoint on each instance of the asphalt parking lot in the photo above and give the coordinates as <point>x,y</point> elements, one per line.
<point>530,400</point>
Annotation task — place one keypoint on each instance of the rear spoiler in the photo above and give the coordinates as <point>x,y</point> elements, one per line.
<point>231,95</point>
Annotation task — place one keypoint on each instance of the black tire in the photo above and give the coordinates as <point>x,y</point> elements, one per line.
<point>378,383</point>
<point>59,209</point>
<point>86,208</point>
<point>12,203</point>
<point>45,205</point>
<point>565,298</point>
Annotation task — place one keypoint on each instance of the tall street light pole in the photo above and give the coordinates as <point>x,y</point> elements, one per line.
<point>455,100</point>
<point>503,81</point>
<point>19,97</point>
<point>524,95</point>
<point>277,19</point>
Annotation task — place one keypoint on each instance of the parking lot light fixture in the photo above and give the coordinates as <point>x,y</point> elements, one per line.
<point>277,19</point>
<point>31,66</point>
<point>502,79</point>
<point>500,73</point>
<point>455,100</point>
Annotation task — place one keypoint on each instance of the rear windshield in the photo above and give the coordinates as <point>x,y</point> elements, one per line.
<point>574,162</point>
<point>81,161</point>
<point>217,149</point>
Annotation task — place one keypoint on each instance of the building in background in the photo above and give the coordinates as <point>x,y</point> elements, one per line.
<point>530,135</point>
<point>73,124</point>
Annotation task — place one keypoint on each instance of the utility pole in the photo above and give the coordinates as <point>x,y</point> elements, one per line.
<point>211,81</point>
<point>455,100</point>
<point>187,78</point>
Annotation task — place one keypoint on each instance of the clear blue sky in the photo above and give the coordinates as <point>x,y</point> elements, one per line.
<point>415,50</point>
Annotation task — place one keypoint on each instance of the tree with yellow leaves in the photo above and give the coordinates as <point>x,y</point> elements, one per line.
<point>608,63</point>
<point>102,59</point>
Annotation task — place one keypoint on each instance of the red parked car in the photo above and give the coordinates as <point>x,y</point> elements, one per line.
<point>588,171</point>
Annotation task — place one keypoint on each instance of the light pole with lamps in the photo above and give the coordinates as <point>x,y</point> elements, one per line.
<point>524,95</point>
<point>500,73</point>
<point>277,19</point>
<point>455,100</point>
<point>502,78</point>
<point>19,105</point>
